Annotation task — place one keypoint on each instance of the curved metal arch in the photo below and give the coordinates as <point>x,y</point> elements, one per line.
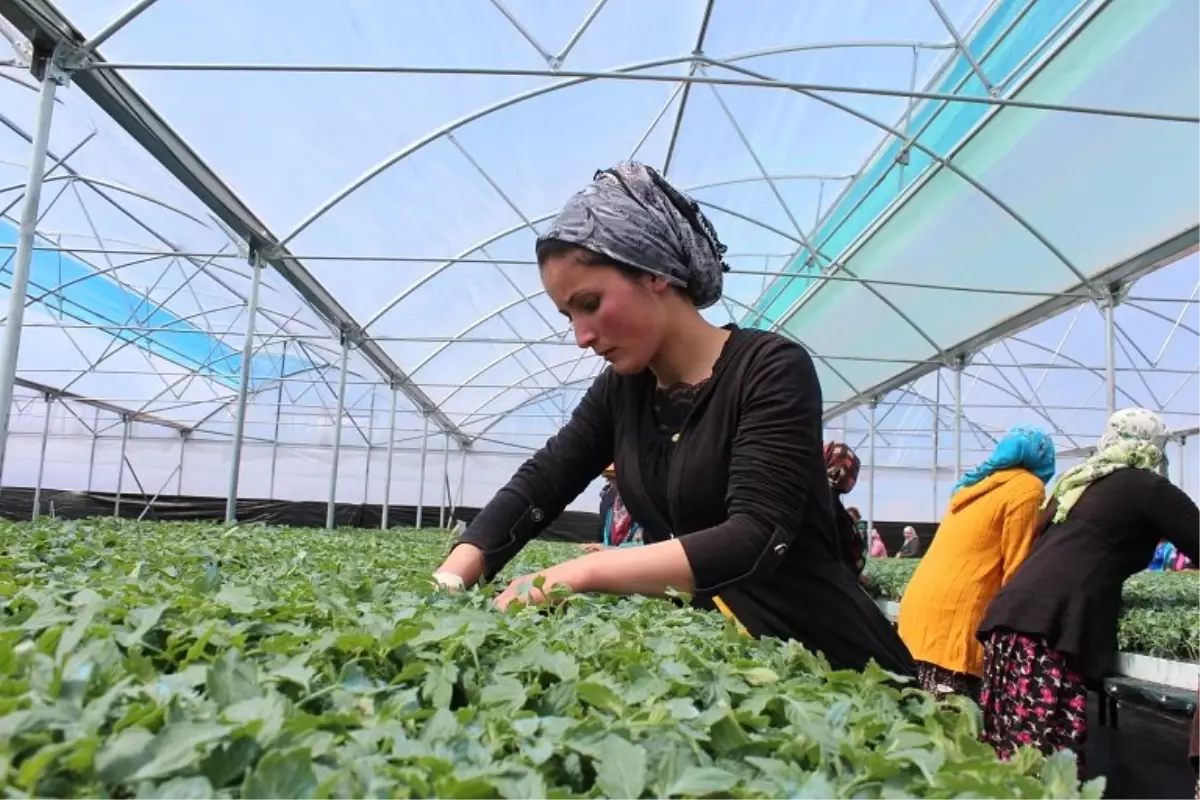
<point>737,214</point>
<point>566,384</point>
<point>116,187</point>
<point>518,385</point>
<point>454,125</point>
<point>996,43</point>
<point>497,361</point>
<point>466,384</point>
<point>1070,360</point>
<point>225,403</point>
<point>517,228</point>
<point>548,391</point>
<point>441,348</point>
<point>30,300</point>
<point>529,297</point>
<point>815,252</point>
<point>811,352</point>
<point>538,397</point>
<point>196,372</point>
<point>433,273</point>
<point>1015,396</point>
<point>131,192</point>
<point>945,163</point>
<point>790,177</point>
<point>254,350</point>
<point>1183,326</point>
<point>931,406</point>
<point>144,335</point>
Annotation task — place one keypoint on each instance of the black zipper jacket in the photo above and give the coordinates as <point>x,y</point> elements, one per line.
<point>747,492</point>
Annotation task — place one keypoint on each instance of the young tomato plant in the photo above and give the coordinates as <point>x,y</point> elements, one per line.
<point>189,660</point>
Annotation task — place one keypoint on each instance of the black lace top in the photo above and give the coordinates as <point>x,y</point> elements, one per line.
<point>671,408</point>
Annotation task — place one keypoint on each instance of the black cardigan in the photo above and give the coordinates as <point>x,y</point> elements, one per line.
<point>1068,591</point>
<point>748,495</point>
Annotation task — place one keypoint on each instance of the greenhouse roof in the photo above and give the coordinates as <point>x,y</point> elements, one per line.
<point>901,186</point>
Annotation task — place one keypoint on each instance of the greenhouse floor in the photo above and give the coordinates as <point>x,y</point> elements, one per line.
<point>1145,756</point>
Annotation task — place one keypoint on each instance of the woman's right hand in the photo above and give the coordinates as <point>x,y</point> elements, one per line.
<point>466,562</point>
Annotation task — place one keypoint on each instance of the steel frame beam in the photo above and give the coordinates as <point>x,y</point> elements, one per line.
<point>47,28</point>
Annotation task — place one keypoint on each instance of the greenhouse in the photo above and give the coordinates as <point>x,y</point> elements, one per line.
<point>258,257</point>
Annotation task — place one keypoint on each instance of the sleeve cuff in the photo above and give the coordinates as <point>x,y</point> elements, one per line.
<point>501,529</point>
<point>724,556</point>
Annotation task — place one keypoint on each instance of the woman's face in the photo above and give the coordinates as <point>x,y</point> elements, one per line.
<point>622,319</point>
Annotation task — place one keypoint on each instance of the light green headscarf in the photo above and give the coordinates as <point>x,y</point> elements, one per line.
<point>1134,437</point>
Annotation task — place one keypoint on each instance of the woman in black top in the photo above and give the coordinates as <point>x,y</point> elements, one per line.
<point>1053,627</point>
<point>842,467</point>
<point>715,432</point>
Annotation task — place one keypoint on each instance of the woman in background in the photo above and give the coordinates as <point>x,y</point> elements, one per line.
<point>985,536</point>
<point>1054,625</point>
<point>911,548</point>
<point>842,466</point>
<point>878,548</point>
<point>617,526</point>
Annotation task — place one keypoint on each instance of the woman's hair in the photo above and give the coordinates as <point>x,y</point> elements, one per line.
<point>548,249</point>
<point>854,512</point>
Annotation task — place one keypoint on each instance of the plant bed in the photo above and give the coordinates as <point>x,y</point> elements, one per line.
<point>184,660</point>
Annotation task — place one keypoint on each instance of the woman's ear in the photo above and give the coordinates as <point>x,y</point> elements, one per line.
<point>658,284</point>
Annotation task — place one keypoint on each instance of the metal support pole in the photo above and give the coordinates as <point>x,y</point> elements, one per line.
<point>337,433</point>
<point>183,437</point>
<point>421,484</point>
<point>92,457</point>
<point>871,472</point>
<point>958,404</point>
<point>387,474</point>
<point>239,420</point>
<point>937,414</point>
<point>121,464</point>
<point>1110,352</point>
<point>37,490</point>
<point>370,439</point>
<point>278,409</point>
<point>443,481</point>
<point>462,476</point>
<point>19,285</point>
<point>1183,474</point>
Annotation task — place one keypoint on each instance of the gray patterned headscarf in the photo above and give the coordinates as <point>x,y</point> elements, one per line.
<point>630,214</point>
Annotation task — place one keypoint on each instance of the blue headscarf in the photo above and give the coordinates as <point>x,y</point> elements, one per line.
<point>1023,447</point>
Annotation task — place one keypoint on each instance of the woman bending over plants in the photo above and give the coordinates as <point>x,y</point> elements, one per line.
<point>715,433</point>
<point>983,539</point>
<point>1054,625</point>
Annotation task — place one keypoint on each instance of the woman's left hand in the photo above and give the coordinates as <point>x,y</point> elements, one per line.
<point>571,575</point>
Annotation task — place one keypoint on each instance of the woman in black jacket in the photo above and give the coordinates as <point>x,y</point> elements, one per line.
<point>1053,628</point>
<point>715,432</point>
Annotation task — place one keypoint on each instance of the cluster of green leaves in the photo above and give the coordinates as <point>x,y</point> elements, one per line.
<point>184,660</point>
<point>1160,610</point>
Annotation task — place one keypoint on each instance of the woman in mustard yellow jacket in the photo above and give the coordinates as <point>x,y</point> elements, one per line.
<point>982,540</point>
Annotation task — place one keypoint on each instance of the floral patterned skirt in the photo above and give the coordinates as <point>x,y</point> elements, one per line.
<point>941,682</point>
<point>1031,697</point>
